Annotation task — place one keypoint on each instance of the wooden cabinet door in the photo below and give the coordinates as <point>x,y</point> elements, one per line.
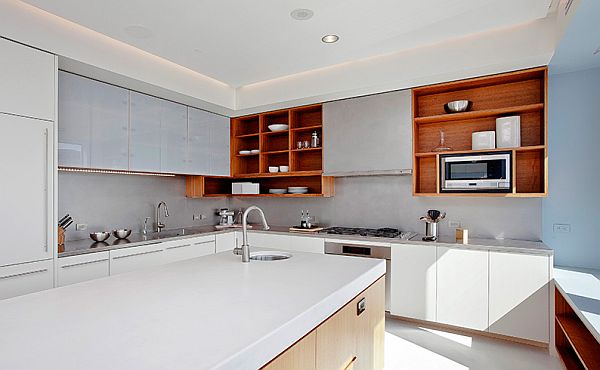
<point>413,286</point>
<point>300,356</point>
<point>353,338</point>
<point>519,295</point>
<point>462,287</point>
<point>28,81</point>
<point>85,267</point>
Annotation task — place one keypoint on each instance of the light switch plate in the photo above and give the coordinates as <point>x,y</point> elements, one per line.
<point>81,227</point>
<point>562,228</point>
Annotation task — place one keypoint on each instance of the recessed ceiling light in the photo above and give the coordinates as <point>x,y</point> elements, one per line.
<point>302,14</point>
<point>330,39</point>
<point>139,32</point>
<point>597,50</point>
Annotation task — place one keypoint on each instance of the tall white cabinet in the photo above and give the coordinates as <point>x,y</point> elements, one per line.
<point>27,101</point>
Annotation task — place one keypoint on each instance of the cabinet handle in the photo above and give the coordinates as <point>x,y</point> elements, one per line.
<point>46,207</point>
<point>84,263</point>
<point>351,364</point>
<point>361,306</point>
<point>179,246</point>
<point>22,274</point>
<point>137,254</point>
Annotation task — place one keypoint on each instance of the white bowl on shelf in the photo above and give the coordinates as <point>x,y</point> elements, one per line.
<point>277,191</point>
<point>278,127</point>
<point>273,169</point>
<point>254,151</point>
<point>244,152</point>
<point>284,168</point>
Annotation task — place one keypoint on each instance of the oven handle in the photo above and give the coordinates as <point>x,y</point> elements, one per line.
<point>344,250</point>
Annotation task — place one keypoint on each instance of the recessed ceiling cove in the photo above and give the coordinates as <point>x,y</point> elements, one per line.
<point>241,42</point>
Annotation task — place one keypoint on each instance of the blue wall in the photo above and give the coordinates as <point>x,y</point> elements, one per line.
<point>574,168</point>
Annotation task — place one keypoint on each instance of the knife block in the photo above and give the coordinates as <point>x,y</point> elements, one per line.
<point>61,239</point>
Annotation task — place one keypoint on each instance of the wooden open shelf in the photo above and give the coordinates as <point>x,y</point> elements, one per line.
<point>522,93</point>
<point>275,149</point>
<point>576,346</point>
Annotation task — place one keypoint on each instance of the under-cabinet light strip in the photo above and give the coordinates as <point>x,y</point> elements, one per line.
<point>114,172</point>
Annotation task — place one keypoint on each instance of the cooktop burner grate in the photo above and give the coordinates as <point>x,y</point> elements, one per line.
<point>384,232</point>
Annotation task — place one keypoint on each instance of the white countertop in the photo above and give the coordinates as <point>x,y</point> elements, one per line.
<point>205,313</point>
<point>582,290</point>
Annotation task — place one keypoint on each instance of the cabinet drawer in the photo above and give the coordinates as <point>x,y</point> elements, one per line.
<point>307,244</point>
<point>189,248</point>
<point>26,278</point>
<point>135,258</point>
<point>225,242</point>
<point>76,269</point>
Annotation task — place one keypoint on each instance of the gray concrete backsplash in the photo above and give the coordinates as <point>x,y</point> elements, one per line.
<point>105,202</point>
<point>387,201</point>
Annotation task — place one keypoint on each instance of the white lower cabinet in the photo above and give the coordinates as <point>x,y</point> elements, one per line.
<point>413,285</point>
<point>185,249</point>
<point>26,278</point>
<point>135,258</point>
<point>84,267</point>
<point>225,242</point>
<point>519,295</point>
<point>462,287</point>
<point>285,242</point>
<point>307,244</point>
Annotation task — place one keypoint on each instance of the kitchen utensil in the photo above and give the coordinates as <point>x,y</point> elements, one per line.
<point>121,233</point>
<point>278,127</point>
<point>442,147</point>
<point>100,236</point>
<point>255,151</point>
<point>273,169</point>
<point>508,132</point>
<point>314,141</point>
<point>483,140</point>
<point>433,214</point>
<point>67,224</point>
<point>305,144</point>
<point>63,219</point>
<point>244,152</point>
<point>458,106</point>
<point>284,168</point>
<point>277,191</point>
<point>431,231</point>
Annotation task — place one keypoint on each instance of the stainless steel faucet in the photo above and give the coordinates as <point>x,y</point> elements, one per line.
<point>160,225</point>
<point>145,229</point>
<point>245,249</point>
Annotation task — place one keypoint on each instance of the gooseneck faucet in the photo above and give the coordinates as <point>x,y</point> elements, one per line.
<point>160,225</point>
<point>245,249</point>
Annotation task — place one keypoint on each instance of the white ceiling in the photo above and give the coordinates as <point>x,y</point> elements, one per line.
<point>243,42</point>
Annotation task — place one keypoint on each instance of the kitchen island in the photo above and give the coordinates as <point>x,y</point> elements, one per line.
<point>213,312</point>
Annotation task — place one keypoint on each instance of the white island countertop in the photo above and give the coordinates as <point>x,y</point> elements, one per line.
<point>213,312</point>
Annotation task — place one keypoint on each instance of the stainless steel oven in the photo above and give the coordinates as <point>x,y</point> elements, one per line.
<point>368,251</point>
<point>485,172</point>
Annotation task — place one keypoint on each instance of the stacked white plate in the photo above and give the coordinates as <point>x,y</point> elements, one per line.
<point>297,189</point>
<point>277,191</point>
<point>244,152</point>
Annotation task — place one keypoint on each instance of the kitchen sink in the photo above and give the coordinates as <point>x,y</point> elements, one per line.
<point>269,256</point>
<point>169,233</point>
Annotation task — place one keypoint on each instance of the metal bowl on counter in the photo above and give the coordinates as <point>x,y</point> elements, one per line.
<point>121,233</point>
<point>457,106</point>
<point>100,236</point>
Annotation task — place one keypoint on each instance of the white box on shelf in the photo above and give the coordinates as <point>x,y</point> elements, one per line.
<point>251,188</point>
<point>483,140</point>
<point>238,187</point>
<point>508,132</point>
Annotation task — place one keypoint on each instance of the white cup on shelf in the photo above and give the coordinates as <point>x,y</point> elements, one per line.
<point>284,168</point>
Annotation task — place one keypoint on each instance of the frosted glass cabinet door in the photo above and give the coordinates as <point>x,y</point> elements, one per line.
<point>173,137</point>
<point>145,132</point>
<point>93,120</point>
<point>208,143</point>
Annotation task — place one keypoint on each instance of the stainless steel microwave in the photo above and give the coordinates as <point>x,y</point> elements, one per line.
<point>485,172</point>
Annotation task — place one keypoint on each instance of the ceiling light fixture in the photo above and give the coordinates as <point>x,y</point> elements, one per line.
<point>330,39</point>
<point>597,50</point>
<point>302,14</point>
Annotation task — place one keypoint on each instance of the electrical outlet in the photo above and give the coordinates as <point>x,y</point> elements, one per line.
<point>562,228</point>
<point>81,227</point>
<point>198,217</point>
<point>453,224</point>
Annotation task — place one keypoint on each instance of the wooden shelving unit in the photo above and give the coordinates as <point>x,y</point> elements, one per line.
<point>577,347</point>
<point>275,149</point>
<point>522,93</point>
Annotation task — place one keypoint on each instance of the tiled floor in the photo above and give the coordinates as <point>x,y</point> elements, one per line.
<point>414,348</point>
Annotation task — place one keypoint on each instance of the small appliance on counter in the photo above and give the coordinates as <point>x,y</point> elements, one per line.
<point>431,220</point>
<point>226,217</point>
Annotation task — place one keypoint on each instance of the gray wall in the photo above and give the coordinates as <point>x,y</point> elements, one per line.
<point>574,137</point>
<point>106,202</point>
<point>388,201</point>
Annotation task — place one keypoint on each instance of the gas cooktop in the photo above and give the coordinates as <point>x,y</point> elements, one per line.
<point>384,232</point>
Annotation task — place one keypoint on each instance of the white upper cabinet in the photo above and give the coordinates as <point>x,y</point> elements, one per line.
<point>174,123</point>
<point>145,133</point>
<point>28,81</point>
<point>27,170</point>
<point>208,143</point>
<point>93,119</point>
<point>369,134</point>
